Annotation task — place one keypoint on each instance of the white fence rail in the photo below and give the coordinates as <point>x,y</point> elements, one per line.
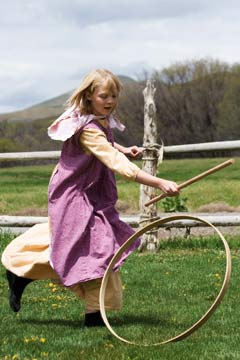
<point>34,155</point>
<point>20,224</point>
<point>210,146</point>
<point>51,155</point>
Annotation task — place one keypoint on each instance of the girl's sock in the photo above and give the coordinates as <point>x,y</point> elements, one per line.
<point>93,319</point>
<point>16,285</point>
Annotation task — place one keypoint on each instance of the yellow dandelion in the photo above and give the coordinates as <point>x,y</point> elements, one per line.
<point>42,340</point>
<point>56,306</point>
<point>109,345</point>
<point>14,357</point>
<point>45,354</point>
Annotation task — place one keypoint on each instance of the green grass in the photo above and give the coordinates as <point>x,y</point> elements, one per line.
<point>222,186</point>
<point>164,293</point>
<point>23,190</point>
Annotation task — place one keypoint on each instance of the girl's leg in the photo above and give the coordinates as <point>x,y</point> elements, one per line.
<point>89,291</point>
<point>26,258</point>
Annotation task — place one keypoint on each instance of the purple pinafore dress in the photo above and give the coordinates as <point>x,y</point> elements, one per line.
<point>85,227</point>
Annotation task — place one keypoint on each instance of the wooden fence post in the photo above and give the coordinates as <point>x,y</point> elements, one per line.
<point>150,162</point>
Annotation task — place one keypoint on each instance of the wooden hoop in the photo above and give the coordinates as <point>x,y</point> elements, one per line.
<point>129,242</point>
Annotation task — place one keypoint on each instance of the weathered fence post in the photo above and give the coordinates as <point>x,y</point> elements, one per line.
<point>150,162</point>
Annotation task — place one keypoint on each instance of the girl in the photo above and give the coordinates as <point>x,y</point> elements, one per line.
<point>84,225</point>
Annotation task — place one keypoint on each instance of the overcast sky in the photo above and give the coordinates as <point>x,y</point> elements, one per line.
<point>48,45</point>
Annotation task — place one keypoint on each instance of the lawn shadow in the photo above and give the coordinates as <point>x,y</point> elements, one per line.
<point>126,320</point>
<point>134,319</point>
<point>59,322</point>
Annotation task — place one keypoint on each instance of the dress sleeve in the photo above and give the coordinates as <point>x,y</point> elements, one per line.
<point>94,141</point>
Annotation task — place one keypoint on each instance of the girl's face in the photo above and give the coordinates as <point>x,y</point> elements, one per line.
<point>103,101</point>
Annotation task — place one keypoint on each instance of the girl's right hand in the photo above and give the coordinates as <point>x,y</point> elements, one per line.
<point>170,188</point>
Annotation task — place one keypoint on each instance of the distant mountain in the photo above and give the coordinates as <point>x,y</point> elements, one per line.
<point>48,109</point>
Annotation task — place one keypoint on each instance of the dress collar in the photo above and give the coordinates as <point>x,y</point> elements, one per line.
<point>72,121</point>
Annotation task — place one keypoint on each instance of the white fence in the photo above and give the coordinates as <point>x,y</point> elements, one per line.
<point>174,149</point>
<point>21,223</point>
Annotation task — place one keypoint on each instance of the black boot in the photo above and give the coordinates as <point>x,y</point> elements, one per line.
<point>93,319</point>
<point>16,286</point>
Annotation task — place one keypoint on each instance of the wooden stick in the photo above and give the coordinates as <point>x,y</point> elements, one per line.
<point>194,179</point>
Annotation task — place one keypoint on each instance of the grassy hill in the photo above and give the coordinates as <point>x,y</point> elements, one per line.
<point>43,110</point>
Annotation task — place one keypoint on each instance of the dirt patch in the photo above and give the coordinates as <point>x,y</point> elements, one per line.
<point>167,233</point>
<point>124,208</point>
<point>217,207</point>
<point>31,212</point>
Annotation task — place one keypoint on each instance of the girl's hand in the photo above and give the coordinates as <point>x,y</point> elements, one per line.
<point>170,188</point>
<point>133,151</point>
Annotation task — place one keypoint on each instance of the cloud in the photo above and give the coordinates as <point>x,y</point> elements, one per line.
<point>87,12</point>
<point>91,12</point>
<point>47,46</point>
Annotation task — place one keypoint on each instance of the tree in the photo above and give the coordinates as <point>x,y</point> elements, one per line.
<point>131,113</point>
<point>229,110</point>
<point>7,145</point>
<point>188,97</point>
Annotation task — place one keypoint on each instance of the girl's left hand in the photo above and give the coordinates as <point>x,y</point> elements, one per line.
<point>133,151</point>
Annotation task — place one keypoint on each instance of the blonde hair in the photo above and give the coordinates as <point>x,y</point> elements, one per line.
<point>79,99</point>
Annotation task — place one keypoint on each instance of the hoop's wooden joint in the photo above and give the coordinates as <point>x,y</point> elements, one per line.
<point>194,179</point>
<point>129,242</point>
